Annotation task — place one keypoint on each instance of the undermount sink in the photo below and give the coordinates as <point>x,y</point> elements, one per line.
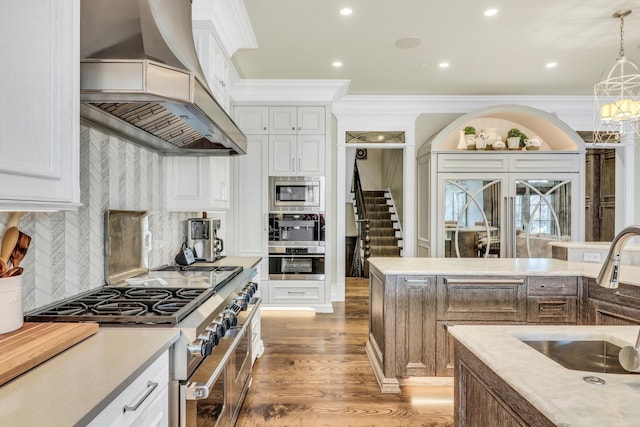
<point>591,356</point>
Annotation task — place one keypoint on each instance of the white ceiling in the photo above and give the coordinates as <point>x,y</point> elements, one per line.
<point>501,55</point>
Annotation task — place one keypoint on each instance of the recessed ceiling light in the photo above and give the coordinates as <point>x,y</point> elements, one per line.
<point>408,43</point>
<point>490,12</point>
<point>443,65</point>
<point>336,64</point>
<point>346,11</point>
<point>552,64</point>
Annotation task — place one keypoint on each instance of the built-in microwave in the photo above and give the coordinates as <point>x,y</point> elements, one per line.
<point>296,193</point>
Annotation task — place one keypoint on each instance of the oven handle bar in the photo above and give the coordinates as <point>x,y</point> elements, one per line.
<point>200,390</point>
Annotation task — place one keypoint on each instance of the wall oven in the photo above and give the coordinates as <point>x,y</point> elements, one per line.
<point>296,229</point>
<point>296,193</point>
<point>296,263</point>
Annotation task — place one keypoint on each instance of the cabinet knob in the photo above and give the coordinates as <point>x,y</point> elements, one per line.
<point>293,128</point>
<point>264,128</point>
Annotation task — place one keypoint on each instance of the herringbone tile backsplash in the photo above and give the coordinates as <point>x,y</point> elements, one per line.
<point>66,255</point>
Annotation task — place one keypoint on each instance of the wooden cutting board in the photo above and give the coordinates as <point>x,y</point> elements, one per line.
<point>35,343</point>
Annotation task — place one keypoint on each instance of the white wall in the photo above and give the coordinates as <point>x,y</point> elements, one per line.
<point>66,255</point>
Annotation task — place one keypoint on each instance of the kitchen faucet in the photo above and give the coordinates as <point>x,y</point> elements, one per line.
<point>629,356</point>
<point>608,276</point>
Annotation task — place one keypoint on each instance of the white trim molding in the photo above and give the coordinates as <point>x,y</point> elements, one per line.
<point>296,90</point>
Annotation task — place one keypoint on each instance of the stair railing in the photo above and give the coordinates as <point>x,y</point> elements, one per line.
<point>363,246</point>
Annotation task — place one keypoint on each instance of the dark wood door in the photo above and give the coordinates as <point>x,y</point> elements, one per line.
<point>600,195</point>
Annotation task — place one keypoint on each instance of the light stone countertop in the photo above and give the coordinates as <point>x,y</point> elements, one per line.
<point>84,379</point>
<point>560,394</point>
<point>629,274</point>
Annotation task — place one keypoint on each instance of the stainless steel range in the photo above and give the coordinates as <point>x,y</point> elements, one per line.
<point>214,307</point>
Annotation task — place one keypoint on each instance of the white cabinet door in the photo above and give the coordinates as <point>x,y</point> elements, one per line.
<point>39,105</point>
<point>310,152</point>
<point>251,180</point>
<point>311,120</point>
<point>144,402</point>
<point>198,183</point>
<point>283,120</point>
<point>297,120</point>
<point>283,158</point>
<point>296,155</point>
<point>213,60</point>
<point>252,120</point>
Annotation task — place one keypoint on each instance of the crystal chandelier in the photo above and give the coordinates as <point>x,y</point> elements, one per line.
<point>617,96</point>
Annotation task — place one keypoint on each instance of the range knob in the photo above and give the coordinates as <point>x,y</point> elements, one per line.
<point>213,334</point>
<point>232,317</point>
<point>207,348</point>
<point>243,301</point>
<point>217,329</point>
<point>249,291</point>
<point>225,323</point>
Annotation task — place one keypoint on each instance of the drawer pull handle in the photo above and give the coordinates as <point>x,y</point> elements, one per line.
<point>295,292</point>
<point>151,386</point>
<point>488,282</point>
<point>620,294</point>
<point>417,280</point>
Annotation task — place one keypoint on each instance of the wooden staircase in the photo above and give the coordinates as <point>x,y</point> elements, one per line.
<point>382,225</point>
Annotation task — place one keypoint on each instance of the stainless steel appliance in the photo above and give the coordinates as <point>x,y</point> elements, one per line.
<point>202,238</point>
<point>296,229</point>
<point>296,193</point>
<point>140,75</point>
<point>213,312</point>
<point>296,263</point>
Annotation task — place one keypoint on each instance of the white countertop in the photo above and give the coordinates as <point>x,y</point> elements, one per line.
<point>560,394</point>
<point>629,274</point>
<point>83,379</point>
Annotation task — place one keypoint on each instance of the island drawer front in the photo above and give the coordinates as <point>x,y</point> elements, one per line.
<point>482,298</point>
<point>552,286</point>
<point>552,309</point>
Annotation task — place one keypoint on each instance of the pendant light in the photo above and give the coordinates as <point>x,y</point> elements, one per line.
<point>617,96</point>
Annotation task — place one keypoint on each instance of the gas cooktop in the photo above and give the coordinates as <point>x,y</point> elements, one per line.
<point>157,306</point>
<point>182,289</point>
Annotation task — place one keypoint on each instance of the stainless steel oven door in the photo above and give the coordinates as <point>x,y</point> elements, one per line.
<point>205,398</point>
<point>296,263</point>
<point>214,393</point>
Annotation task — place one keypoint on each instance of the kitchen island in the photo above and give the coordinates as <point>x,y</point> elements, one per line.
<point>500,380</point>
<point>415,301</point>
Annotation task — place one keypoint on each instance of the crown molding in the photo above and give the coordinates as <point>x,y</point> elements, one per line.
<point>576,111</point>
<point>297,90</point>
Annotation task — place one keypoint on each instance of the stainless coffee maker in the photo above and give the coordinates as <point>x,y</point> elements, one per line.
<point>203,240</point>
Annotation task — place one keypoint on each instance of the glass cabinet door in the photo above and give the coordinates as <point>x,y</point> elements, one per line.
<point>472,217</point>
<point>541,214</point>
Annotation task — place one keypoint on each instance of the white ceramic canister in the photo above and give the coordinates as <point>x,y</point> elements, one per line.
<point>11,314</point>
<point>462,142</point>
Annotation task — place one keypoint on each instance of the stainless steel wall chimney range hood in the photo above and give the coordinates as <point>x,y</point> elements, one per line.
<point>140,76</point>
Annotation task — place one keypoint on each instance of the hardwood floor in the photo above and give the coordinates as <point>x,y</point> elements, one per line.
<point>315,372</point>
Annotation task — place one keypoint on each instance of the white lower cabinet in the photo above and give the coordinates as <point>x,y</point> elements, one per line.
<point>308,292</point>
<point>145,402</point>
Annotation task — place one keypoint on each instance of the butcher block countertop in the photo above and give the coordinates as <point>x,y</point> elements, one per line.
<point>82,380</point>
<point>629,274</point>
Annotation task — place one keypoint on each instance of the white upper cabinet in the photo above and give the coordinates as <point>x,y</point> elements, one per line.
<point>198,183</point>
<point>40,105</point>
<point>297,120</point>
<point>214,61</point>
<point>297,138</point>
<point>296,155</point>
<point>252,120</point>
